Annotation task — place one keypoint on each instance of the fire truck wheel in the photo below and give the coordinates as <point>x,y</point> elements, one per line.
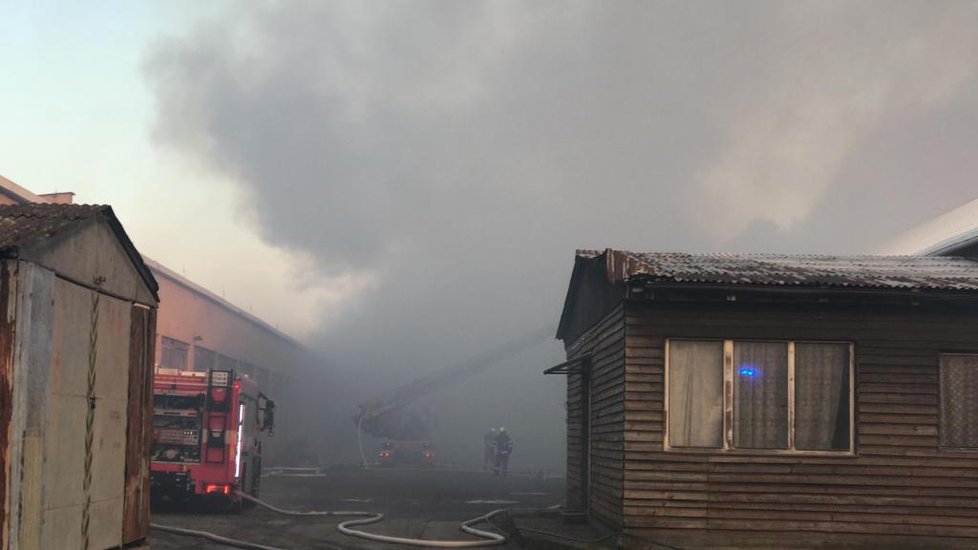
<point>235,505</point>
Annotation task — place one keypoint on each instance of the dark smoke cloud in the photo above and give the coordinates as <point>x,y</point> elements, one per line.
<point>456,153</point>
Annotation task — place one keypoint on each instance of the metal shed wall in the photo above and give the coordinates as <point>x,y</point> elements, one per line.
<point>68,348</point>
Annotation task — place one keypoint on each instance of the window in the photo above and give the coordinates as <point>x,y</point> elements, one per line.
<point>204,359</point>
<point>695,394</point>
<point>226,363</point>
<point>261,376</point>
<point>780,396</point>
<point>959,401</point>
<point>173,353</point>
<point>246,368</point>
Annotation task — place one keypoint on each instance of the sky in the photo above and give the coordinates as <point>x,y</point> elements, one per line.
<point>403,184</point>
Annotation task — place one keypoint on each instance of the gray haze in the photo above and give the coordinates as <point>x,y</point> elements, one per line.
<point>456,153</point>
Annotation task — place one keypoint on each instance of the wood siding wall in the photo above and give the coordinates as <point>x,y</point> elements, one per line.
<point>597,419</point>
<point>898,484</point>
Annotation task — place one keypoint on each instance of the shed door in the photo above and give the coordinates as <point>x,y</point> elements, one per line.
<point>139,429</point>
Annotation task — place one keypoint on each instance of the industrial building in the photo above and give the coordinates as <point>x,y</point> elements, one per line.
<point>76,341</point>
<point>771,400</point>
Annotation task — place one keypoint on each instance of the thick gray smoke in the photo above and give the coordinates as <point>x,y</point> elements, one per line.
<point>456,153</point>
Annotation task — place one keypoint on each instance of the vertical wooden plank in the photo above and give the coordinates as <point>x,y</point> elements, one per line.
<point>791,395</point>
<point>728,394</point>
<point>139,428</point>
<point>665,396</point>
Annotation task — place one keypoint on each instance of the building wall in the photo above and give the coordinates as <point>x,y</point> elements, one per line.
<point>284,369</point>
<point>196,320</point>
<point>898,486</point>
<point>595,422</point>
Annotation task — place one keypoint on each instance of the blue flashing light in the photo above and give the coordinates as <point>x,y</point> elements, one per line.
<point>749,372</point>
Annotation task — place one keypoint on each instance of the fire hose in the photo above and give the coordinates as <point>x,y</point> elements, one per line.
<point>212,537</point>
<point>489,538</point>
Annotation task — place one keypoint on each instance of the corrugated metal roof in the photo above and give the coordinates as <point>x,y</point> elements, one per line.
<point>21,224</point>
<point>880,272</point>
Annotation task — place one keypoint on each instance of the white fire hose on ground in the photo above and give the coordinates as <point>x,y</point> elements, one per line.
<point>489,538</point>
<point>212,537</point>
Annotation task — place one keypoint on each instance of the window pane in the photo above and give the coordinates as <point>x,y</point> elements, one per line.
<point>173,354</point>
<point>246,368</point>
<point>760,395</point>
<point>822,397</point>
<point>226,363</point>
<point>959,401</point>
<point>204,359</point>
<point>695,394</point>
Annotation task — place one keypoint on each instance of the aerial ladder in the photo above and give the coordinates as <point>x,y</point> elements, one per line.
<point>386,415</point>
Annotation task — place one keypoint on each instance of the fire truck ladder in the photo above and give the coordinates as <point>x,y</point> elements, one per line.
<point>404,395</point>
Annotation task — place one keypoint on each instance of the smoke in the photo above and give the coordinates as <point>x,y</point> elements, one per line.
<point>452,155</point>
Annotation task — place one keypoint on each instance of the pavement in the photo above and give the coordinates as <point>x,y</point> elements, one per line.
<point>427,503</point>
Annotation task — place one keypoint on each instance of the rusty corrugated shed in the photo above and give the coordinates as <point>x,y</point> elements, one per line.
<point>870,272</point>
<point>76,360</point>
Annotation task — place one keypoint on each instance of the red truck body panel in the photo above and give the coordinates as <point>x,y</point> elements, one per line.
<point>206,434</point>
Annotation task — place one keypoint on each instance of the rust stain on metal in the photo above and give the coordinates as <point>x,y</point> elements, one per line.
<point>7,329</point>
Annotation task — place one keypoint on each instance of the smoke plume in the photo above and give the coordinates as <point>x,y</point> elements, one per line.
<point>454,154</point>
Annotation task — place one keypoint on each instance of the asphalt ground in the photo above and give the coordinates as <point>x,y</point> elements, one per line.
<point>418,503</point>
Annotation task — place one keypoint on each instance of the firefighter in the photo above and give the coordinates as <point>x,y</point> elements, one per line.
<point>489,455</point>
<point>504,447</point>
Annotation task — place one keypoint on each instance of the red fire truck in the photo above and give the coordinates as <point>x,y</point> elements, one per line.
<point>207,429</point>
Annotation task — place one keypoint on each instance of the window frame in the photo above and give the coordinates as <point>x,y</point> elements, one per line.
<point>727,428</point>
<point>167,343</point>
<point>946,449</point>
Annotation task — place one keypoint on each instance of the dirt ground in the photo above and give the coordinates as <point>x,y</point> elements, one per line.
<point>418,503</point>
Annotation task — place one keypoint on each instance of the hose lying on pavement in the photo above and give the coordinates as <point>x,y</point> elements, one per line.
<point>212,537</point>
<point>492,539</point>
<point>489,538</point>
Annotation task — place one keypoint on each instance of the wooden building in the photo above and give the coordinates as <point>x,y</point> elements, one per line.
<point>76,350</point>
<point>766,400</point>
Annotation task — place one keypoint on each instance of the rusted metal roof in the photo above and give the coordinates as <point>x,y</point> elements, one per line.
<point>25,225</point>
<point>876,272</point>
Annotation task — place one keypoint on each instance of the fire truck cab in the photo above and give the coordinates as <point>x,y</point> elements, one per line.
<point>207,436</point>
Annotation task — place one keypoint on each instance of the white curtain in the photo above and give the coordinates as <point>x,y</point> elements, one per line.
<point>695,394</point>
<point>760,395</point>
<point>822,396</point>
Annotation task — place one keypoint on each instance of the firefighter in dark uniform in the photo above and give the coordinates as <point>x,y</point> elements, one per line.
<point>504,447</point>
<point>489,444</point>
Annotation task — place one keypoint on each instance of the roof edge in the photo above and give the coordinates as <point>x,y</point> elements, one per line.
<point>580,257</point>
<point>167,273</point>
<point>134,256</point>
